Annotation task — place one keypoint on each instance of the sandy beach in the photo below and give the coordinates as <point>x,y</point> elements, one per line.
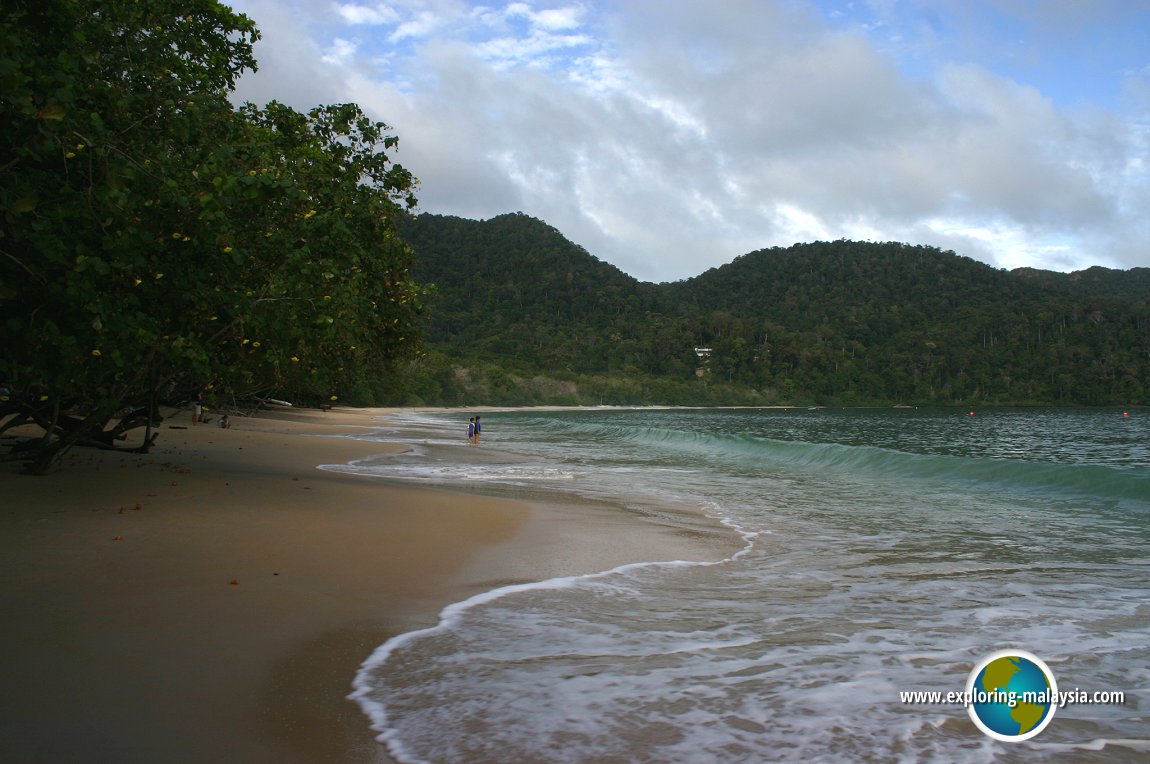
<point>212,601</point>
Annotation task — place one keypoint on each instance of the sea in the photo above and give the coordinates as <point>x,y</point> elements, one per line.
<point>880,552</point>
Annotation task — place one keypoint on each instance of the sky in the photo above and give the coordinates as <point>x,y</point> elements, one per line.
<point>668,137</point>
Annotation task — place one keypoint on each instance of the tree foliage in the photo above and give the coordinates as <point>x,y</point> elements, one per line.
<point>156,240</point>
<point>838,322</point>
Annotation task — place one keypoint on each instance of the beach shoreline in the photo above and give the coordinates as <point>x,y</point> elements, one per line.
<point>213,600</point>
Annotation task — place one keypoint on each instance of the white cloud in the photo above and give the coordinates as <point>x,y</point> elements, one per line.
<point>340,52</point>
<point>551,19</point>
<point>517,51</point>
<point>421,26</point>
<point>558,18</point>
<point>671,136</point>
<point>364,14</point>
<point>798,224</point>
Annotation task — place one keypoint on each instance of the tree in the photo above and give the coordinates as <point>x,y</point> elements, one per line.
<point>154,238</point>
<point>317,293</point>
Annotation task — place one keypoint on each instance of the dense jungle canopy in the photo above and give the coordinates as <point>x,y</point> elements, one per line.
<point>157,241</point>
<point>522,314</point>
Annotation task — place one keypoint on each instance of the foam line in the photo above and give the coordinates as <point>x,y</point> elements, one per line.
<point>452,615</point>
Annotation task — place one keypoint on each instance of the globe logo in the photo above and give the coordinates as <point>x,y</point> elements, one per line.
<point>1012,695</point>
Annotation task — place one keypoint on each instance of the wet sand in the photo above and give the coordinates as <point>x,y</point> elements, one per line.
<point>212,601</point>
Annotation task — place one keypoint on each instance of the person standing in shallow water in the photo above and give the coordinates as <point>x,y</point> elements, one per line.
<point>477,431</point>
<point>471,430</point>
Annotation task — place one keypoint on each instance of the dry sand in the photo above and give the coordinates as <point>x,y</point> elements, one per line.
<point>211,601</point>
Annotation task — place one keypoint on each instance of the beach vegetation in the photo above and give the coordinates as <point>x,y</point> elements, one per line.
<point>157,241</point>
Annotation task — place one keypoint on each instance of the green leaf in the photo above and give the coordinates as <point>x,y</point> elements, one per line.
<point>24,204</point>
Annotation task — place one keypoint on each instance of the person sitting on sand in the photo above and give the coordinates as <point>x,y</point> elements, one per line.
<point>225,422</point>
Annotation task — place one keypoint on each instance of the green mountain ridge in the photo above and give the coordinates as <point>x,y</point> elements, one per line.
<point>840,322</point>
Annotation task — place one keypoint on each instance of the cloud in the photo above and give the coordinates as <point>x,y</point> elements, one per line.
<point>364,14</point>
<point>419,27</point>
<point>669,137</point>
<point>553,19</point>
<point>340,52</point>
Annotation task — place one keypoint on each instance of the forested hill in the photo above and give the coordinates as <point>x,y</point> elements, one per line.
<point>512,289</point>
<point>827,322</point>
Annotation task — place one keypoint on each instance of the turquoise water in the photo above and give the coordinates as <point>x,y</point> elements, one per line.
<point>885,551</point>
